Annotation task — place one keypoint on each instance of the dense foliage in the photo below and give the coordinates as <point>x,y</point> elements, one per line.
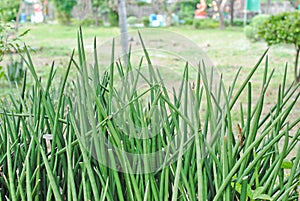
<point>44,131</point>
<point>283,28</point>
<point>132,20</point>
<point>113,18</point>
<point>8,10</point>
<point>98,3</point>
<point>252,29</point>
<point>205,23</point>
<point>99,7</point>
<point>186,12</point>
<point>146,21</point>
<point>64,9</point>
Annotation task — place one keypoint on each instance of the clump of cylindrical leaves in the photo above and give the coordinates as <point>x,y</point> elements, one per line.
<point>56,142</point>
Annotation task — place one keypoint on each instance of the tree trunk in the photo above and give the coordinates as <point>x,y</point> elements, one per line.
<point>231,12</point>
<point>222,21</point>
<point>168,18</point>
<point>297,74</point>
<point>86,8</point>
<point>89,7</point>
<point>123,29</point>
<point>220,5</point>
<point>96,15</point>
<point>268,6</point>
<point>21,7</point>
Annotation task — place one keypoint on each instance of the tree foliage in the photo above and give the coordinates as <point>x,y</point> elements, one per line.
<point>99,7</point>
<point>97,3</point>
<point>251,30</point>
<point>9,9</point>
<point>186,11</point>
<point>64,9</point>
<point>283,28</point>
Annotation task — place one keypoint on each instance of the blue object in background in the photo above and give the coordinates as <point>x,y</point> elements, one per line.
<point>157,20</point>
<point>23,18</point>
<point>153,17</point>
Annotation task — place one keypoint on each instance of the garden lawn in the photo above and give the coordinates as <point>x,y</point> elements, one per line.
<point>228,49</point>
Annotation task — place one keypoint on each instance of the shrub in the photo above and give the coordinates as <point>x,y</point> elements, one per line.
<point>142,3</point>
<point>205,23</point>
<point>86,22</point>
<point>251,30</point>
<point>9,10</point>
<point>132,20</point>
<point>189,21</point>
<point>283,28</point>
<point>113,18</point>
<point>44,153</point>
<point>237,22</point>
<point>64,9</point>
<point>186,12</point>
<point>62,18</point>
<point>146,21</point>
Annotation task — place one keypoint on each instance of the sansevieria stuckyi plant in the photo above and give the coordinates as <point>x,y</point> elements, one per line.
<point>102,136</point>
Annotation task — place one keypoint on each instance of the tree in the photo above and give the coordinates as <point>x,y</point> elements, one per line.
<point>268,6</point>
<point>64,9</point>
<point>9,9</point>
<point>283,28</point>
<point>84,8</point>
<point>231,4</point>
<point>123,29</point>
<point>96,5</point>
<point>103,6</point>
<point>21,7</point>
<point>120,6</point>
<point>221,7</point>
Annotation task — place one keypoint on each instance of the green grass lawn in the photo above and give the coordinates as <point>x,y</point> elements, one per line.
<point>228,49</point>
